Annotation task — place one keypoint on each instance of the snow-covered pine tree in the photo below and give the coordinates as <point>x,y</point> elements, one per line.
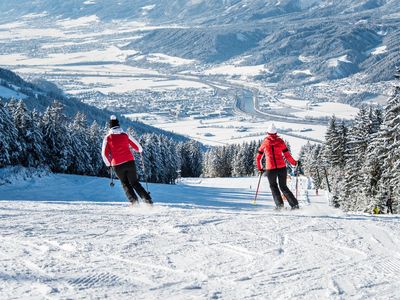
<point>215,162</point>
<point>80,161</point>
<point>206,164</point>
<point>16,147</point>
<point>196,157</point>
<point>248,159</point>
<point>152,158</point>
<point>330,165</point>
<point>239,167</point>
<point>342,147</point>
<point>8,136</point>
<point>170,162</point>
<point>333,148</point>
<point>191,158</point>
<point>231,160</point>
<point>371,170</point>
<point>29,136</point>
<point>56,138</point>
<point>310,156</point>
<point>251,167</point>
<point>227,154</point>
<point>359,137</point>
<point>390,152</point>
<point>36,156</point>
<point>95,140</point>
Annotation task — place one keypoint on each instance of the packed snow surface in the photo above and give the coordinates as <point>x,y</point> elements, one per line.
<point>73,237</point>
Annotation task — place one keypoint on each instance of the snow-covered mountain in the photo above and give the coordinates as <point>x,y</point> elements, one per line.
<point>285,35</point>
<point>196,11</point>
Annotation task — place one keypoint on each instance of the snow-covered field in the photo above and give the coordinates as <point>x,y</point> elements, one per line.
<point>234,130</point>
<point>89,55</point>
<point>73,237</point>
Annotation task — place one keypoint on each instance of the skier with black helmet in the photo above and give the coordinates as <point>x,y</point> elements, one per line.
<point>116,152</point>
<point>275,149</point>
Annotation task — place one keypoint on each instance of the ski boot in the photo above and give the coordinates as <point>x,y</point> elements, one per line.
<point>148,201</point>
<point>295,207</point>
<point>134,203</point>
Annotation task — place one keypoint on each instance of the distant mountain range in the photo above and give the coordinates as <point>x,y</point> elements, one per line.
<point>297,40</point>
<point>201,11</point>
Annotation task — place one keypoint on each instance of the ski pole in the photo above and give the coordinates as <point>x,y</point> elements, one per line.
<point>297,180</point>
<point>258,187</point>
<point>112,177</point>
<point>144,173</point>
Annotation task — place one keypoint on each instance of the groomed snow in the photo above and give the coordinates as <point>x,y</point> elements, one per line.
<point>76,238</point>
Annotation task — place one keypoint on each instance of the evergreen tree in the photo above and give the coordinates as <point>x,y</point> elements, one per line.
<point>8,137</point>
<point>191,159</point>
<point>390,154</point>
<point>56,138</point>
<point>29,136</point>
<point>170,160</point>
<point>152,158</point>
<point>95,140</point>
<point>80,161</point>
<point>16,145</point>
<point>333,150</point>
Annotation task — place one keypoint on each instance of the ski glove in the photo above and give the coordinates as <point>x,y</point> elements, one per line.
<point>299,163</point>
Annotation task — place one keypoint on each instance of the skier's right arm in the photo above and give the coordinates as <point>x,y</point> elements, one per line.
<point>259,157</point>
<point>106,152</point>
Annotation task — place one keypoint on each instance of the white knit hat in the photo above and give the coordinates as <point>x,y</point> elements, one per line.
<point>271,129</point>
<point>113,122</point>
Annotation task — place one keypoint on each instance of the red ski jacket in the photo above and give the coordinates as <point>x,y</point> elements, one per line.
<point>116,150</point>
<point>274,149</point>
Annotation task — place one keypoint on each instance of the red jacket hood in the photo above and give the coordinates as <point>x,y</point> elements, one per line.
<point>273,139</point>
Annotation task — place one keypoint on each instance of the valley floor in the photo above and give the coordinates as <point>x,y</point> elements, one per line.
<point>72,237</point>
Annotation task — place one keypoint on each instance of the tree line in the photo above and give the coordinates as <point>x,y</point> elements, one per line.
<point>72,146</point>
<point>361,160</point>
<point>63,145</point>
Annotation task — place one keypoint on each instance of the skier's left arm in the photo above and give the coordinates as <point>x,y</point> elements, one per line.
<point>135,144</point>
<point>287,155</point>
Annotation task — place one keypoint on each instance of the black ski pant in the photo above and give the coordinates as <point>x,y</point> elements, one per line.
<point>281,176</point>
<point>126,172</point>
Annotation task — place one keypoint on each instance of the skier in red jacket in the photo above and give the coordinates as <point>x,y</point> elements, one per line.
<point>116,152</point>
<point>274,148</point>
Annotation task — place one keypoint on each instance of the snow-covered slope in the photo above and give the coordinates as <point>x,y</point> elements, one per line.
<point>203,239</point>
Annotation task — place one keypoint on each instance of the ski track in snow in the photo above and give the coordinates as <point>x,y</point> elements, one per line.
<point>79,250</point>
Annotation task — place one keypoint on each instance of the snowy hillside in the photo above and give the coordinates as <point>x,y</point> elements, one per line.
<point>203,239</point>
